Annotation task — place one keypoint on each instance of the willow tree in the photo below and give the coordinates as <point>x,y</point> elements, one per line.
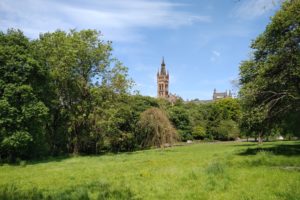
<point>155,129</point>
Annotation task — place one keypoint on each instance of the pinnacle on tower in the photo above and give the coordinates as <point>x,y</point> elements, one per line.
<point>163,67</point>
<point>163,61</point>
<point>163,81</point>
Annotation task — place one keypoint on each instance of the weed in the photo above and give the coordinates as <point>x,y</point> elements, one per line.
<point>215,168</point>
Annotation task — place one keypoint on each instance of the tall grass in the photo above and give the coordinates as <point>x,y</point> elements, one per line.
<point>96,190</point>
<point>223,171</point>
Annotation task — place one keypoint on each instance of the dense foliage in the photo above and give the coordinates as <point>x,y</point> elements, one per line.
<point>197,120</point>
<point>156,129</point>
<point>65,93</point>
<point>23,114</point>
<point>270,80</point>
<point>60,94</point>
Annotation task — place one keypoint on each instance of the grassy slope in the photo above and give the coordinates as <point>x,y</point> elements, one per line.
<point>200,171</point>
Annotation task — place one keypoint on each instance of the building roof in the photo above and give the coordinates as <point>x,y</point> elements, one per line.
<point>221,95</point>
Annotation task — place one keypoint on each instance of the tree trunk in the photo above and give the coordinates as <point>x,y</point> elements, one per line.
<point>76,148</point>
<point>260,138</point>
<point>76,143</point>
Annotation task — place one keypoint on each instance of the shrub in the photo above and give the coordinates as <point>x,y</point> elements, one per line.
<point>199,132</point>
<point>227,129</point>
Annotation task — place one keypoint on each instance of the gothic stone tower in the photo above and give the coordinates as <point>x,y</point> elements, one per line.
<point>163,81</point>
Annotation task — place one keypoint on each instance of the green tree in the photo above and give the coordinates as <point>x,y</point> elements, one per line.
<point>155,129</point>
<point>78,62</point>
<point>199,132</point>
<point>221,110</point>
<point>228,109</point>
<point>254,122</point>
<point>179,117</point>
<point>22,113</point>
<point>227,130</point>
<point>290,126</point>
<point>270,80</point>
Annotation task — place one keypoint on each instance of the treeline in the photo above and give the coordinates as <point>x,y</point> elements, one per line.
<point>216,120</point>
<point>65,93</point>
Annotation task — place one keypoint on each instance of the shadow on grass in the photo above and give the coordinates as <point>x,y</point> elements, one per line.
<point>48,159</point>
<point>276,149</point>
<point>24,163</point>
<point>61,158</point>
<point>246,145</point>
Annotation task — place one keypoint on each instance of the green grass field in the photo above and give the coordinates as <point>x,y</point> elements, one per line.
<point>199,171</point>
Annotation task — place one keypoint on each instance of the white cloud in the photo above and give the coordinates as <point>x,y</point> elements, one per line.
<point>119,20</point>
<point>250,9</point>
<point>215,56</point>
<point>216,53</point>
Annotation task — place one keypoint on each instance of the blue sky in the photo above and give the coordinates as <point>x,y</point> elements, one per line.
<point>203,41</point>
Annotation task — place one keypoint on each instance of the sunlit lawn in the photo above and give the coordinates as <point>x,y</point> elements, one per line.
<point>199,171</point>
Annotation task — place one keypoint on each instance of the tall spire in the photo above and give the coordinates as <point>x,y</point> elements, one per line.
<point>163,81</point>
<point>163,67</point>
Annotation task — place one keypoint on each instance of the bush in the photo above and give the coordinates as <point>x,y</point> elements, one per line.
<point>227,130</point>
<point>199,132</point>
<point>184,135</point>
<point>123,142</point>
